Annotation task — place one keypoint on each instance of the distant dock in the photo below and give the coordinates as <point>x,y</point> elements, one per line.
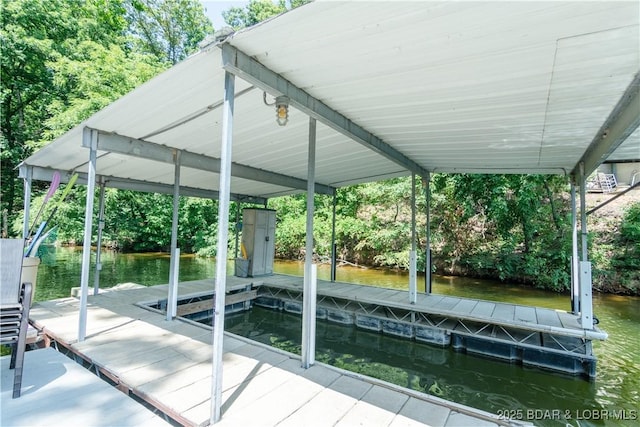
<point>167,364</point>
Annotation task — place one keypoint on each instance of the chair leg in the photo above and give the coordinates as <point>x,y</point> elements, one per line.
<point>17,375</point>
<point>14,349</point>
<point>22,341</point>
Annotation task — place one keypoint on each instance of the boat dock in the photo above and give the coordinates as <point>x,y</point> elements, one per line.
<point>167,365</point>
<point>533,336</point>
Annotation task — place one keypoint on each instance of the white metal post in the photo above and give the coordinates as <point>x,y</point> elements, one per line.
<point>172,296</point>
<point>586,300</point>
<point>334,255</point>
<point>172,305</point>
<point>96,277</point>
<point>575,277</point>
<point>237,229</point>
<point>221,256</point>
<point>583,213</point>
<point>27,201</point>
<point>309,295</point>
<point>413,280</point>
<point>90,139</point>
<point>427,255</point>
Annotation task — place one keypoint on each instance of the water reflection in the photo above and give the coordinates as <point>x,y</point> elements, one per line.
<point>478,382</point>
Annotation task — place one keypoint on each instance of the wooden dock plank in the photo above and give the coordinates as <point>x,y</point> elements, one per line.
<point>378,407</point>
<point>271,408</point>
<point>429,301</point>
<point>242,395</point>
<point>207,304</point>
<point>382,296</point>
<point>168,381</point>
<point>568,320</point>
<point>446,303</point>
<point>548,317</point>
<point>345,293</point>
<point>465,306</point>
<point>400,297</point>
<point>483,309</point>
<point>330,405</point>
<point>422,412</point>
<point>504,312</point>
<point>525,314</point>
<point>375,293</point>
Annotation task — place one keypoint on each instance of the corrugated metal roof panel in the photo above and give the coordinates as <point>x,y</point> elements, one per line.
<point>454,86</point>
<point>493,80</point>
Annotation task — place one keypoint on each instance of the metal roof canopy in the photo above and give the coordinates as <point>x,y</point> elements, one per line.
<point>485,87</point>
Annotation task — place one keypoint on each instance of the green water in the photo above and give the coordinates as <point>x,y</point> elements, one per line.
<point>541,397</point>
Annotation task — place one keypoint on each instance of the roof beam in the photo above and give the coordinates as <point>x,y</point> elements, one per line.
<point>46,174</point>
<point>621,123</point>
<point>247,68</point>
<point>195,115</point>
<point>148,150</point>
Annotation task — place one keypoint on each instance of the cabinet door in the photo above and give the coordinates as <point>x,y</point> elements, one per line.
<point>258,236</point>
<point>270,243</point>
<point>260,250</point>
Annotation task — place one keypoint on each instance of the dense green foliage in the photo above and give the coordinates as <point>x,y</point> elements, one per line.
<point>257,11</point>
<point>489,226</point>
<point>169,30</point>
<point>616,255</point>
<point>62,60</point>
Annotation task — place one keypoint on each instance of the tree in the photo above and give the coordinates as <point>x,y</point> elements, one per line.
<point>34,35</point>
<point>514,227</point>
<point>62,60</point>
<point>92,78</point>
<point>168,29</point>
<point>257,11</point>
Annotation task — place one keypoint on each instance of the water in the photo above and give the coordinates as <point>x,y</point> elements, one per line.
<point>542,397</point>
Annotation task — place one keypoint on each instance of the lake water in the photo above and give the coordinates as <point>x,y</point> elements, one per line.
<point>547,399</point>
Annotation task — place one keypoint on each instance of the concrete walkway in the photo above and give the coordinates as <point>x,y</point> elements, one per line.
<point>57,391</point>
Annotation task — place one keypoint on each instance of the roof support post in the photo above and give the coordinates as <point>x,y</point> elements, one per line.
<point>172,297</point>
<point>575,284</point>
<point>28,180</point>
<point>309,294</point>
<point>221,256</point>
<point>236,228</point>
<point>96,277</point>
<point>89,139</point>
<point>586,301</point>
<point>427,254</point>
<point>413,280</point>
<point>239,63</point>
<point>583,212</point>
<point>333,239</point>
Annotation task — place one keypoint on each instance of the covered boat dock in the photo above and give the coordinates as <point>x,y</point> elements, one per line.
<point>366,91</point>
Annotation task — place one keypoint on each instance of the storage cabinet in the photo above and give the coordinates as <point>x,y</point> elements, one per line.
<point>258,238</point>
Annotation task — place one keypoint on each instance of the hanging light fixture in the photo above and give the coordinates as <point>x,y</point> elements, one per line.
<point>282,110</point>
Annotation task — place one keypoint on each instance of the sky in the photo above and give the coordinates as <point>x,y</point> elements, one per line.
<point>214,9</point>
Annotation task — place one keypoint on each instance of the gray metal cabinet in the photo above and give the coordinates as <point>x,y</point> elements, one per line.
<point>258,238</point>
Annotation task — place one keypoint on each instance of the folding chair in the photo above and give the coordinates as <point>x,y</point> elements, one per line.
<point>14,306</point>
